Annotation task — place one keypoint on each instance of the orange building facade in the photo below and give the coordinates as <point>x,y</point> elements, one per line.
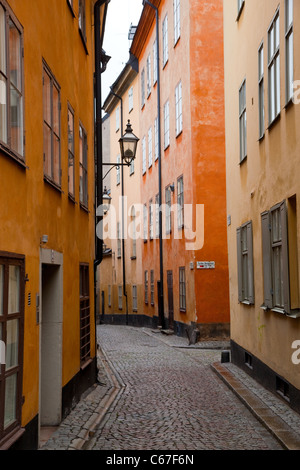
<point>182,168</point>
<point>47,189</point>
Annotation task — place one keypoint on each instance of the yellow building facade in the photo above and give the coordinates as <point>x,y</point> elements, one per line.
<point>261,41</point>
<point>47,189</point>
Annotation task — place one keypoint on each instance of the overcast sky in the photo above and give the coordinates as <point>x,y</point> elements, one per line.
<point>120,15</point>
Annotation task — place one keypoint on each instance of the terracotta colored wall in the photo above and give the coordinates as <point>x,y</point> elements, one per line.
<point>30,207</point>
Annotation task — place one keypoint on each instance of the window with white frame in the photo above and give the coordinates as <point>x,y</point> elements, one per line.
<point>168,210</point>
<point>83,167</point>
<point>130,99</point>
<point>11,82</point>
<point>143,87</point>
<point>148,74</point>
<point>145,222</point>
<point>180,202</point>
<point>261,91</point>
<point>243,121</point>
<point>71,149</point>
<point>289,48</point>
<point>152,287</point>
<point>144,161</point>
<point>118,168</point>
<point>119,249</point>
<point>176,6</point>
<point>134,298</point>
<point>178,108</point>
<point>133,234</point>
<point>167,125</point>
<point>156,139</point>
<point>82,19</point>
<point>150,147</point>
<point>274,68</point>
<point>154,62</point>
<point>165,40</point>
<point>151,231</point>
<point>157,215</point>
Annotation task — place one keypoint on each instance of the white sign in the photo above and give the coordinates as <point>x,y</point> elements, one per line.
<point>206,264</point>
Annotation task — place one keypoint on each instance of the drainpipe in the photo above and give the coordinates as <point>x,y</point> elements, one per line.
<point>100,66</point>
<point>161,296</point>
<point>123,220</point>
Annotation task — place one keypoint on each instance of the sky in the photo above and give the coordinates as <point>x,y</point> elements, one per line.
<point>120,15</point>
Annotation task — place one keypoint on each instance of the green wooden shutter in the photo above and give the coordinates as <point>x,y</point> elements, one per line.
<point>266,255</point>
<point>239,264</point>
<point>285,257</point>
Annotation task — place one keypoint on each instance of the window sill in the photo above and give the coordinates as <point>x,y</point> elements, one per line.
<point>240,11</point>
<point>182,310</point>
<point>176,42</point>
<point>289,104</point>
<point>84,207</point>
<point>132,258</point>
<point>83,41</point>
<point>85,364</point>
<point>246,302</point>
<point>71,8</point>
<point>14,156</point>
<point>53,184</point>
<point>261,138</point>
<point>275,120</point>
<point>165,64</point>
<point>179,134</point>
<point>11,438</point>
<point>243,160</point>
<point>72,198</point>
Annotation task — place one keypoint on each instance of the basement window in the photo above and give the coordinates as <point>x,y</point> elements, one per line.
<point>282,388</point>
<point>248,360</point>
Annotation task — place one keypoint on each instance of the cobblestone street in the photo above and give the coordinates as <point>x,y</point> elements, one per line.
<point>170,399</point>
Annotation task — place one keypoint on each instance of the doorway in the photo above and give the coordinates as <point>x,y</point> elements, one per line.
<point>170,299</point>
<point>51,346</point>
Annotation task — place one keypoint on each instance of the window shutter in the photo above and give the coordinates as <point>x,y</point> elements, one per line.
<point>239,263</point>
<point>250,263</point>
<point>266,252</point>
<point>285,258</point>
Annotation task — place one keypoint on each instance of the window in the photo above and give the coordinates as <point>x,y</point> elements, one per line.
<point>118,169</point>
<point>182,290</point>
<point>154,62</point>
<point>156,139</point>
<point>289,48</point>
<point>51,91</point>
<point>134,299</point>
<point>11,84</point>
<point>109,295</point>
<point>148,74</point>
<point>145,222</point>
<point>144,155</point>
<point>151,232</point>
<point>245,263</point>
<point>120,298</point>
<point>133,220</point>
<point>274,69</point>
<point>85,331</point>
<point>176,6</point>
<point>70,4</point>
<point>168,210</point>
<point>71,161</point>
<point>243,121</point>
<point>146,286</point>
<point>240,5</point>
<point>280,267</point>
<point>178,108</point>
<point>130,99</point>
<point>167,125</point>
<point>83,170</point>
<point>150,147</point>
<point>261,91</point>
<point>119,249</point>
<point>143,88</point>
<point>12,286</point>
<point>152,287</point>
<point>165,41</point>
<point>180,202</point>
<point>82,19</point>
<point>117,118</point>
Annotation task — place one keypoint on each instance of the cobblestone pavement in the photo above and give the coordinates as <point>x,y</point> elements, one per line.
<point>170,399</point>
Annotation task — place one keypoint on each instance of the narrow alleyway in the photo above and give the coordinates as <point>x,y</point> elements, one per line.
<point>170,399</point>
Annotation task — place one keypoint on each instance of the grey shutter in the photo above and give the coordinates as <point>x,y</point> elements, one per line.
<point>239,264</point>
<point>266,254</point>
<point>250,263</point>
<point>285,258</point>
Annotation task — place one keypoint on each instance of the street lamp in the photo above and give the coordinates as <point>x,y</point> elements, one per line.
<point>128,145</point>
<point>106,200</point>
